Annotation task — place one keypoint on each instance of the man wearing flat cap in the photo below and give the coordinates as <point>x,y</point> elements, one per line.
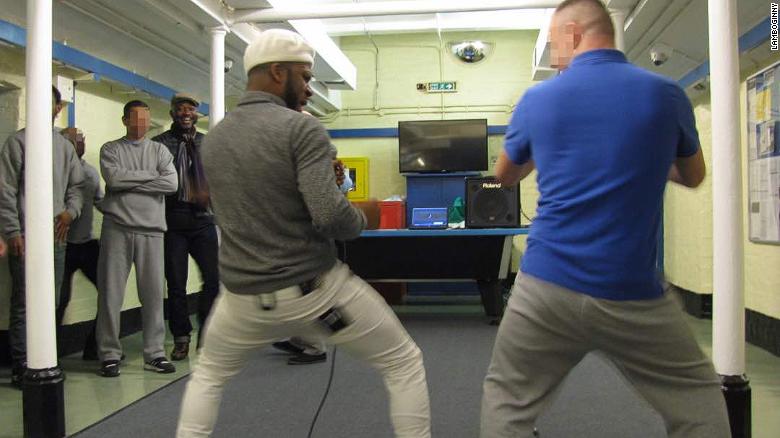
<point>276,201</point>
<point>191,230</point>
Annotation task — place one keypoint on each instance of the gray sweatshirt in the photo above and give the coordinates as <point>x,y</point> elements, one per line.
<point>67,175</point>
<point>275,196</point>
<point>91,193</point>
<point>138,175</point>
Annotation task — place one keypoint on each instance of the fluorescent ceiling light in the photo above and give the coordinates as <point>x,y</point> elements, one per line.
<point>532,19</point>
<point>283,11</point>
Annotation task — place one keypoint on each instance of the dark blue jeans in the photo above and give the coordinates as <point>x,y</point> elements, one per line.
<point>17,324</point>
<point>202,244</point>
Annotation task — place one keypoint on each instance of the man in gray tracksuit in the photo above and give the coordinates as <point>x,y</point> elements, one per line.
<point>138,173</point>
<point>68,179</point>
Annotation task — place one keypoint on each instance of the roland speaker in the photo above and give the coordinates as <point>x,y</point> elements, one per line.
<point>489,205</point>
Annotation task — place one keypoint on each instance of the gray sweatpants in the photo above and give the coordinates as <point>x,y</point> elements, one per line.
<point>547,330</point>
<point>120,249</point>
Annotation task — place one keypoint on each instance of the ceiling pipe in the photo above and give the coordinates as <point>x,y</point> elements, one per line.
<point>376,9</point>
<point>219,12</point>
<point>664,21</point>
<point>123,29</point>
<point>176,15</point>
<point>635,13</point>
<point>193,62</point>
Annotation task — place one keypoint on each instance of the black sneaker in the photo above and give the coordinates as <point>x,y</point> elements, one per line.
<point>288,347</point>
<point>160,365</point>
<point>306,359</point>
<point>180,350</point>
<point>109,368</point>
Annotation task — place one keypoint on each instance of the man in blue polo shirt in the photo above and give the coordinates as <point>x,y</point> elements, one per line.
<point>605,136</point>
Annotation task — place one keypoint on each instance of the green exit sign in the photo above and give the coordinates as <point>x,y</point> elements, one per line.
<point>442,87</point>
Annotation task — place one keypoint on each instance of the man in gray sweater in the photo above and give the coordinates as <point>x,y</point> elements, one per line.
<point>83,249</point>
<point>276,201</point>
<point>138,173</point>
<point>68,179</point>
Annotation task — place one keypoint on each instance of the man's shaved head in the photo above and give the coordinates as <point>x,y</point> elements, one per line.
<point>578,26</point>
<point>591,15</point>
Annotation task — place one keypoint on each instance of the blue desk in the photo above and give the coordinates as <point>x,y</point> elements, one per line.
<point>449,232</point>
<point>437,255</point>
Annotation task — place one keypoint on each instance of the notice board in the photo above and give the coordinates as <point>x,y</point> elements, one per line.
<point>763,125</point>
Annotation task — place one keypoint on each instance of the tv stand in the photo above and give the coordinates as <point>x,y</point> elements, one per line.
<point>437,255</point>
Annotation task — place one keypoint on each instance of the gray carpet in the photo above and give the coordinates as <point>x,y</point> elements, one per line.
<point>272,399</point>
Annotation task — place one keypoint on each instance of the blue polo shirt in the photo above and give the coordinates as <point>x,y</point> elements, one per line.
<point>603,135</point>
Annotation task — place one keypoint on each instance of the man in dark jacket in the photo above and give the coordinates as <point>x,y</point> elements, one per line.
<point>191,229</point>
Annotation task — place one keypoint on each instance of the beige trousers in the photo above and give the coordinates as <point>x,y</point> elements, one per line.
<point>238,325</point>
<point>547,330</point>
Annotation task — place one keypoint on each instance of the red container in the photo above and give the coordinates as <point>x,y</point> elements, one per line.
<point>392,214</point>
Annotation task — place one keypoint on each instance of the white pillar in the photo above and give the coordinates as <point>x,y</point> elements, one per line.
<point>728,336</point>
<point>38,221</point>
<point>619,21</point>
<point>217,106</point>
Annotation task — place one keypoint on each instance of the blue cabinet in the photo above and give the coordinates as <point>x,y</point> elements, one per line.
<point>434,190</point>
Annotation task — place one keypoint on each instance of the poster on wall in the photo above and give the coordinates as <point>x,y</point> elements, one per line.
<point>763,105</point>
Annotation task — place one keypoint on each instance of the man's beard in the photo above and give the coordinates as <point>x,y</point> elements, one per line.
<point>290,96</point>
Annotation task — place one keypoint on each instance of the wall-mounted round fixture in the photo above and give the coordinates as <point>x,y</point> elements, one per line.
<point>470,52</point>
<point>701,84</point>
<point>660,53</point>
<point>228,64</point>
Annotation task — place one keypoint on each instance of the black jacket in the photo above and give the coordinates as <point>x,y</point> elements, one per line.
<point>182,215</point>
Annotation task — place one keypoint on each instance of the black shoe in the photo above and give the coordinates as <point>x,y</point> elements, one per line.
<point>180,350</point>
<point>160,365</point>
<point>306,359</point>
<point>109,368</point>
<point>288,347</point>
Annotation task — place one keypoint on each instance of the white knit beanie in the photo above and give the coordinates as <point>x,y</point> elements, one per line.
<point>277,45</point>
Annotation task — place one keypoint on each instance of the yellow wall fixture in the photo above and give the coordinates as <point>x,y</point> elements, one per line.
<point>358,172</point>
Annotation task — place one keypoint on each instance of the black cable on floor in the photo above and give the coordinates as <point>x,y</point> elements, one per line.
<point>327,390</point>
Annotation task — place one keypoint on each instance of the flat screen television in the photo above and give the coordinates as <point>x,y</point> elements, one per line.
<point>442,146</point>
